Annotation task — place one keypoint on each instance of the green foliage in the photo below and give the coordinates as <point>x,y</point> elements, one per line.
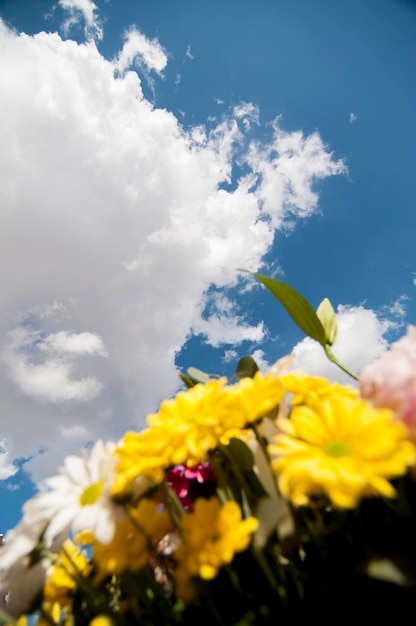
<point>297,306</point>
<point>246,368</point>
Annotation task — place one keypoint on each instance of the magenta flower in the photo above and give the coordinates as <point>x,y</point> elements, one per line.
<point>190,483</point>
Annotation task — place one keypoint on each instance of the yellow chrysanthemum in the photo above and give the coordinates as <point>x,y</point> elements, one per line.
<point>187,427</point>
<point>62,581</point>
<point>309,388</point>
<point>342,447</point>
<point>129,548</point>
<point>211,535</point>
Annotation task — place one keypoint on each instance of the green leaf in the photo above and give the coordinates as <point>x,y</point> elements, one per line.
<point>188,382</point>
<point>297,306</point>
<point>246,367</point>
<point>226,478</point>
<point>328,319</point>
<point>241,453</point>
<point>253,481</point>
<point>198,375</point>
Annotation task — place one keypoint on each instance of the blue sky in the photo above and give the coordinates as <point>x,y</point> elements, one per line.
<point>277,136</point>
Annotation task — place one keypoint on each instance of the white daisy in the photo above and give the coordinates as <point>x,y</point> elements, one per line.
<point>79,498</point>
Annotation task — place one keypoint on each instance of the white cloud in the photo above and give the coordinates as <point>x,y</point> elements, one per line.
<point>230,355</point>
<point>13,486</point>
<point>259,357</point>
<point>361,338</point>
<point>288,167</point>
<point>396,312</point>
<point>189,54</point>
<point>139,49</point>
<point>82,10</point>
<point>54,310</point>
<point>67,342</point>
<point>222,324</point>
<point>353,118</point>
<point>51,380</point>
<point>7,468</point>
<point>220,329</point>
<point>248,113</point>
<point>75,433</point>
<point>113,227</point>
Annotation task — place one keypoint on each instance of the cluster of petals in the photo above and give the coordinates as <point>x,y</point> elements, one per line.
<point>79,497</point>
<point>341,447</point>
<point>61,582</point>
<point>189,426</point>
<point>129,548</point>
<point>76,499</point>
<point>211,535</point>
<point>390,381</point>
<point>191,482</point>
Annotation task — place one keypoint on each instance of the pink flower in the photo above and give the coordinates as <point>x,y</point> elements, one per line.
<point>391,380</point>
<point>190,483</point>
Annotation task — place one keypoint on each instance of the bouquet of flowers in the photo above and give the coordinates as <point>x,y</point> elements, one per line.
<point>274,496</point>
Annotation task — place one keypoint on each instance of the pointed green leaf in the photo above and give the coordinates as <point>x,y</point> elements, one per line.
<point>241,454</point>
<point>188,381</point>
<point>328,319</point>
<point>297,306</point>
<point>253,481</point>
<point>198,375</point>
<point>246,367</point>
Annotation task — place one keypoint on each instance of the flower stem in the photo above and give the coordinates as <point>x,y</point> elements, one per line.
<point>172,503</point>
<point>333,359</point>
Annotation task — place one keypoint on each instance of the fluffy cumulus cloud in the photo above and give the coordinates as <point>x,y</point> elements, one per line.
<point>51,379</point>
<point>361,338</point>
<point>115,223</point>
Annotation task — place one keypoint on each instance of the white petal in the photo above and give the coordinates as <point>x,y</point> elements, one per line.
<point>104,529</point>
<point>59,524</point>
<point>76,470</point>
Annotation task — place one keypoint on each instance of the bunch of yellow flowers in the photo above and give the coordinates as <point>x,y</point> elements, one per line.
<point>240,503</point>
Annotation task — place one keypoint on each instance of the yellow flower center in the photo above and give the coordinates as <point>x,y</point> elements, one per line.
<point>91,493</point>
<point>338,448</point>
